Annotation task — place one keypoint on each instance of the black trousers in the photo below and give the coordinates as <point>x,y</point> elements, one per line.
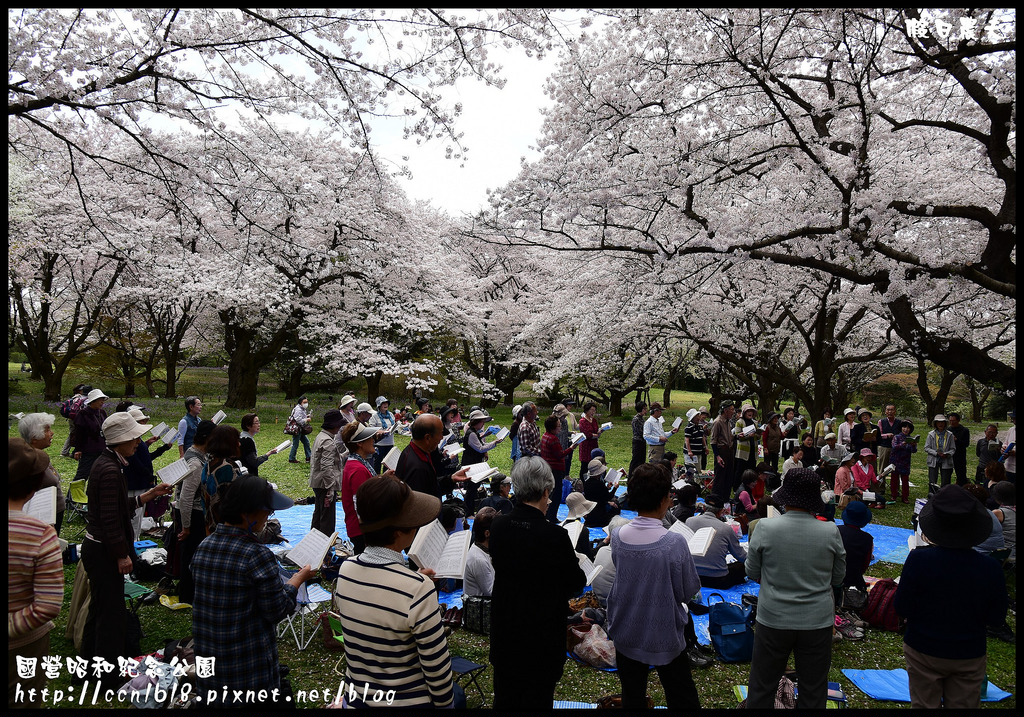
<point>736,575</point>
<point>638,456</point>
<point>188,547</point>
<point>960,468</point>
<point>107,624</point>
<point>680,691</point>
<point>325,515</point>
<point>525,687</point>
<point>722,486</point>
<point>812,657</point>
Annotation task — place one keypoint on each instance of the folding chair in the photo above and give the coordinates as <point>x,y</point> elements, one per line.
<point>469,670</point>
<point>303,622</point>
<point>77,504</point>
<point>334,623</point>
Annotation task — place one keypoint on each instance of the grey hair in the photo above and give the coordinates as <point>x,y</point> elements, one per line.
<point>531,476</point>
<point>527,407</point>
<point>32,425</point>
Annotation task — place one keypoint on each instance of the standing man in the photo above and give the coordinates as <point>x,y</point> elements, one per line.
<point>888,426</point>
<point>421,465</point>
<point>384,420</point>
<point>1010,462</point>
<point>325,473</point>
<point>529,434</point>
<point>187,426</point>
<point>987,450</point>
<point>798,560</point>
<point>721,447</point>
<point>962,436</point>
<point>639,444</point>
<point>570,423</point>
<point>746,443</point>
<point>655,436</point>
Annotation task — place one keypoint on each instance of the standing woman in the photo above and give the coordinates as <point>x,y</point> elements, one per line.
<point>859,434</point>
<point>772,441</point>
<point>899,458</point>
<point>300,415</point>
<point>190,511</point>
<point>513,431</point>
<point>37,430</point>
<point>358,469</point>
<point>239,597</point>
<point>823,427</point>
<point>476,452</point>
<point>250,458</point>
<point>88,438</point>
<point>325,473</point>
<point>589,428</point>
<point>791,432</point>
<point>844,434</point>
<point>224,449</point>
<point>384,420</point>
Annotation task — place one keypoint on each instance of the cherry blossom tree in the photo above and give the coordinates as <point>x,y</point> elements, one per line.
<point>833,140</point>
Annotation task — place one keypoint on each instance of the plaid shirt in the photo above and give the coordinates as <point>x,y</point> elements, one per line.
<point>238,602</point>
<point>529,438</point>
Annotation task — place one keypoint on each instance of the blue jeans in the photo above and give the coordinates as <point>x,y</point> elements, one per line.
<point>295,446</point>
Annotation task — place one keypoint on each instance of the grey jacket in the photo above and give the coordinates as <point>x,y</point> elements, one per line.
<point>325,465</point>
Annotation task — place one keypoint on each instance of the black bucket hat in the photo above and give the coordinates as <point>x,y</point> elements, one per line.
<point>953,518</point>
<point>801,488</point>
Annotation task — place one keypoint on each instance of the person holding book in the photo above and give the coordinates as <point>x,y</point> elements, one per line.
<point>899,458</point>
<point>823,427</point>
<point>479,576</point>
<point>771,439</point>
<point>394,639</point>
<point>527,648</point>
<point>190,510</point>
<point>639,446</point>
<point>513,432</point>
<point>421,465</point>
<point>712,567</point>
<point>844,475</point>
<point>251,458</point>
<point>962,439</point>
<point>300,420</point>
<point>864,476</point>
<point>89,443</point>
<point>988,450</point>
<point>189,423</point>
<point>358,469</point>
<point>748,435</point>
<point>888,427</point>
<point>325,477</point>
<point>501,485</point>
<point>791,426</point>
<point>696,440</point>
<point>240,598</point>
<point>865,433</point>
<point>35,571</point>
<point>591,430</point>
<point>384,420</point>
<point>655,436</point>
<point>37,430</point>
<point>721,446</point>
<point>654,577</point>
<point>596,489</point>
<point>139,475</point>
<point>579,508</point>
<point>940,446</point>
<point>798,560</point>
<point>830,455</point>
<point>944,642</point>
<point>746,498</point>
<point>845,430</point>
<point>551,450</point>
<point>224,449</point>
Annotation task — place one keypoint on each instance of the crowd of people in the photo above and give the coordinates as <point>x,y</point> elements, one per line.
<point>388,606</point>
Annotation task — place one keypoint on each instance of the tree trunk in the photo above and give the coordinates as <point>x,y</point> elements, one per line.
<point>171,361</point>
<point>293,384</point>
<point>934,404</point>
<point>243,378</point>
<point>510,398</point>
<point>979,397</point>
<point>615,402</point>
<point>52,383</point>
<point>373,385</point>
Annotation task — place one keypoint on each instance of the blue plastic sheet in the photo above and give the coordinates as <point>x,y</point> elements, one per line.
<point>894,685</point>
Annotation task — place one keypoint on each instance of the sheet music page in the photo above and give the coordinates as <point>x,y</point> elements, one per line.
<point>282,445</point>
<point>678,422</point>
<point>391,459</point>
<point>428,545</point>
<point>169,436</point>
<point>219,416</point>
<point>43,506</point>
<point>501,434</point>
<point>701,540</point>
<point>452,562</point>
<point>477,469</point>
<point>159,429</point>
<point>311,549</point>
<point>588,567</point>
<point>681,528</point>
<point>174,472</point>
<point>574,529</point>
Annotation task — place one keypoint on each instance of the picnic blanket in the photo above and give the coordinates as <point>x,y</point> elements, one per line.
<point>894,685</point>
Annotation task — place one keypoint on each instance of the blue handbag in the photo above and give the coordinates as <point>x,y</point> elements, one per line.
<point>731,629</point>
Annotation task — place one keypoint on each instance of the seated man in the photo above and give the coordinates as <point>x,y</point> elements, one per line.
<point>714,572</point>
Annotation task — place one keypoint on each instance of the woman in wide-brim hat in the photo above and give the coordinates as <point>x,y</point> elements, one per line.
<point>864,434</point>
<point>944,644</point>
<point>939,448</point>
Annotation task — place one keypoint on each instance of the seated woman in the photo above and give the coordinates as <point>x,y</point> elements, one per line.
<point>501,486</point>
<point>794,461</point>
<point>863,472</point>
<point>859,544</point>
<point>479,576</point>
<point>579,508</point>
<point>746,499</point>
<point>844,475</point>
<point>394,641</point>
<point>654,578</point>
<point>597,490</point>
<point>239,595</point>
<point>686,502</point>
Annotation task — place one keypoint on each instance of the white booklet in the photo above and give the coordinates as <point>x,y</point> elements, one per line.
<point>749,430</point>
<point>218,417</point>
<point>43,505</point>
<point>588,567</point>
<point>174,472</point>
<point>501,434</point>
<point>678,422</point>
<point>613,476</point>
<point>574,529</point>
<point>391,459</point>
<point>282,445</point>
<point>577,438</point>
<point>606,426</point>
<point>169,436</point>
<point>158,429</point>
<point>312,549</point>
<point>479,472</point>
<point>699,541</point>
<point>453,450</point>
<point>444,554</point>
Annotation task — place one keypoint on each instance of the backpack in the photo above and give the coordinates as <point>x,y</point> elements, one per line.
<point>731,629</point>
<point>880,610</point>
<point>70,408</point>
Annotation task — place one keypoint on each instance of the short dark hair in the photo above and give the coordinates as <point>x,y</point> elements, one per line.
<point>224,442</point>
<point>247,420</point>
<point>23,486</point>
<point>640,405</point>
<point>748,477</point>
<point>762,505</point>
<point>551,423</point>
<point>482,523</point>
<point>203,432</point>
<point>687,495</point>
<point>953,413</point>
<point>190,401</point>
<point>588,405</point>
<point>671,456</point>
<point>123,406</point>
<point>648,486</point>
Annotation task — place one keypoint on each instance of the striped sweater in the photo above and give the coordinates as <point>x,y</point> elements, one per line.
<point>393,634</point>
<point>35,578</point>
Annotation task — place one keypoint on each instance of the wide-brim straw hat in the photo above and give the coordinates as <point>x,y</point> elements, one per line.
<point>801,488</point>
<point>578,505</point>
<point>346,401</point>
<point>94,395</point>
<point>862,411</point>
<point>121,428</point>
<point>596,468</point>
<point>417,510</point>
<point>137,414</point>
<point>953,518</point>
<point>479,415</point>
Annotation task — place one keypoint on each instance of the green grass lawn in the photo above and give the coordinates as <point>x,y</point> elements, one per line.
<point>313,668</point>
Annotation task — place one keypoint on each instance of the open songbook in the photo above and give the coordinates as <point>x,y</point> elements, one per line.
<point>391,459</point>
<point>444,554</point>
<point>886,471</point>
<point>606,426</point>
<point>699,541</point>
<point>43,505</point>
<point>773,512</point>
<point>452,450</point>
<point>174,472</point>
<point>218,417</point>
<point>588,567</point>
<point>445,440</point>
<point>479,472</point>
<point>871,436</point>
<point>678,422</point>
<point>913,439</point>
<point>612,477</point>
<point>501,434</point>
<point>576,438</point>
<point>282,445</point>
<point>574,529</point>
<point>312,549</point>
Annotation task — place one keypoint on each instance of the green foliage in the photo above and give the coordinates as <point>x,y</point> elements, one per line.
<point>907,401</point>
